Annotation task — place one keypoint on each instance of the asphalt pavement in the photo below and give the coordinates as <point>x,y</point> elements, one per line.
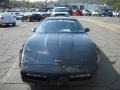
<point>105,34</point>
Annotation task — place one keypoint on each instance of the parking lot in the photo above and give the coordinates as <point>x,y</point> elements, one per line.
<point>105,32</point>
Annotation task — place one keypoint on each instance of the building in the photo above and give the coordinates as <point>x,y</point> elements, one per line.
<point>89,6</point>
<point>4,4</point>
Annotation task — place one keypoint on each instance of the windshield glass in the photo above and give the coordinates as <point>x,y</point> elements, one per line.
<point>60,10</point>
<point>60,26</point>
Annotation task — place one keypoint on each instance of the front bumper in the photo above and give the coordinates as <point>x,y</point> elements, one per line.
<point>6,23</point>
<point>33,78</point>
<point>36,74</point>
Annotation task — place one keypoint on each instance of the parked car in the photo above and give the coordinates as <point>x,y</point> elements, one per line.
<point>59,49</point>
<point>31,16</point>
<point>18,14</point>
<point>76,12</point>
<point>7,19</point>
<point>36,14</point>
<point>94,12</point>
<point>44,12</point>
<point>60,11</point>
<point>115,13</point>
<point>86,12</point>
<point>68,7</point>
<point>105,12</point>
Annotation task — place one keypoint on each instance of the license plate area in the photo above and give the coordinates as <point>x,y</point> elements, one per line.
<point>57,80</point>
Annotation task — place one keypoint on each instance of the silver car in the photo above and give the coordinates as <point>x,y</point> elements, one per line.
<point>6,19</point>
<point>60,11</point>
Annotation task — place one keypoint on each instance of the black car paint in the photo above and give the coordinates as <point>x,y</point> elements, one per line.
<point>59,46</point>
<point>32,17</point>
<point>76,50</point>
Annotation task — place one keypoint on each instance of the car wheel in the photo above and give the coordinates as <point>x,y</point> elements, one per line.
<point>14,24</point>
<point>23,18</point>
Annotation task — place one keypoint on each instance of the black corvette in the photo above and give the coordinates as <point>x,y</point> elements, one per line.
<point>59,48</point>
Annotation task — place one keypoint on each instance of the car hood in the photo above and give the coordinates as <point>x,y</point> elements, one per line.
<point>66,48</point>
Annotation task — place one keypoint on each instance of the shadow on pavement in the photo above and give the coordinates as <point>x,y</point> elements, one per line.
<point>105,77</point>
<point>8,26</point>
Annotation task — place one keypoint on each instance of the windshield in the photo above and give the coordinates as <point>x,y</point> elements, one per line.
<point>60,10</point>
<point>60,26</point>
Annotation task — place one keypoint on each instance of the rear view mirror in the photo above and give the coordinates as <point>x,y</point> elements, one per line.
<point>87,29</point>
<point>33,29</point>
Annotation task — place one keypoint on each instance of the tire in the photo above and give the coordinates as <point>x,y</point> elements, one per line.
<point>23,18</point>
<point>14,24</point>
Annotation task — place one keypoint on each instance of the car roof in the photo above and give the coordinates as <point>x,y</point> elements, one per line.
<point>60,18</point>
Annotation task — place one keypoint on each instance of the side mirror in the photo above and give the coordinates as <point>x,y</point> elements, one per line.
<point>33,29</point>
<point>87,29</point>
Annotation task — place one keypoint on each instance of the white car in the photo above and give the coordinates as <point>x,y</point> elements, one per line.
<point>94,13</point>
<point>86,12</point>
<point>7,18</point>
<point>60,11</point>
<point>18,14</point>
<point>115,13</point>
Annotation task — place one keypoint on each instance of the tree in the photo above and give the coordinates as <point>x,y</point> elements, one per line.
<point>113,3</point>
